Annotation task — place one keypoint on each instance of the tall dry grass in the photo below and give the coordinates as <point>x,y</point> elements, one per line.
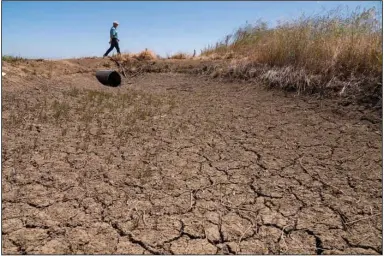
<point>340,43</point>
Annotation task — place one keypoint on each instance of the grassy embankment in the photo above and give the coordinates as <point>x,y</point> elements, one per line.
<point>338,51</point>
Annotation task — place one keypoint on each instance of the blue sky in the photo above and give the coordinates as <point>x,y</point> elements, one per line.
<point>77,29</point>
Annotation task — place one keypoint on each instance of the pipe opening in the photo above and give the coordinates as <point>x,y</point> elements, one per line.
<point>108,77</point>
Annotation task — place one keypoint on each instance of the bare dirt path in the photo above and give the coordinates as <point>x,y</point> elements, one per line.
<point>178,164</point>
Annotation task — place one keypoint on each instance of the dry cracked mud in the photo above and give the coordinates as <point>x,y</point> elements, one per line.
<point>180,164</point>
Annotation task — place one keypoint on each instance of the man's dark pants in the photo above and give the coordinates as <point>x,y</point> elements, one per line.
<point>114,44</point>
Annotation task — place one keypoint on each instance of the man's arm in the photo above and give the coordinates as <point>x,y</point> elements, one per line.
<point>111,34</point>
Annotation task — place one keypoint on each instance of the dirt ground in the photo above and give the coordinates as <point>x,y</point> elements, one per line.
<point>180,164</point>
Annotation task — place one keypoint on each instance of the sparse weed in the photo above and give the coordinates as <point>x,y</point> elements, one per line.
<point>97,96</point>
<point>60,110</point>
<point>73,92</point>
<point>16,120</point>
<point>64,131</point>
<point>86,117</point>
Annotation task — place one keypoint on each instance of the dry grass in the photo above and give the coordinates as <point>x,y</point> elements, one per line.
<point>122,57</point>
<point>337,44</point>
<point>86,105</point>
<point>80,110</point>
<point>143,55</point>
<point>146,55</point>
<point>179,56</point>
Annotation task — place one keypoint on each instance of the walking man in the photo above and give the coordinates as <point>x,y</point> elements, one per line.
<point>114,39</point>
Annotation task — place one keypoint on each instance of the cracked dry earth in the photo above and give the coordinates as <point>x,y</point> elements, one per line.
<point>177,164</point>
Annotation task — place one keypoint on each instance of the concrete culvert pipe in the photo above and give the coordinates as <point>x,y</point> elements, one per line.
<point>108,77</point>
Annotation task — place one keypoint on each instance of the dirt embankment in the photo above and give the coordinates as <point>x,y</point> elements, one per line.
<point>352,91</point>
<point>182,164</point>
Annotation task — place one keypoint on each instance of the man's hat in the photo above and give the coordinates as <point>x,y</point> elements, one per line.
<point>115,22</point>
